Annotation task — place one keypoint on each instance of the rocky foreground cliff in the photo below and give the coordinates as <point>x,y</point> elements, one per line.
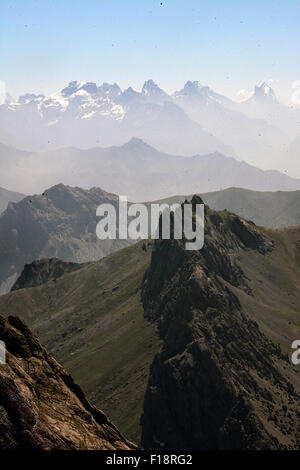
<point>218,382</point>
<point>41,407</point>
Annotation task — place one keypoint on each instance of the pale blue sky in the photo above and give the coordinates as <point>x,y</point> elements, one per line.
<point>229,45</point>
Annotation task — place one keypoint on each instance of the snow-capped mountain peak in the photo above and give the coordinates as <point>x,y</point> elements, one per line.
<point>196,95</point>
<point>71,88</point>
<point>151,90</point>
<point>149,87</point>
<point>191,87</point>
<point>195,119</point>
<point>130,92</point>
<point>264,90</point>
<point>192,90</point>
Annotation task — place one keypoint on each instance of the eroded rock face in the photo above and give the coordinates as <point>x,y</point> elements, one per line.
<point>41,271</point>
<point>218,382</point>
<point>40,405</point>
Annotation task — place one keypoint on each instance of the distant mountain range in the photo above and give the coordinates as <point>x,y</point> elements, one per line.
<point>135,169</point>
<point>61,223</point>
<point>194,120</point>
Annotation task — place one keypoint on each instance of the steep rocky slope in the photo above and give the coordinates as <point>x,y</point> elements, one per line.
<point>41,408</point>
<point>219,382</point>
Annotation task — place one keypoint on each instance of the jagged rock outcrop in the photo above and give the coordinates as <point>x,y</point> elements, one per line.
<point>40,271</point>
<point>218,382</point>
<point>41,408</point>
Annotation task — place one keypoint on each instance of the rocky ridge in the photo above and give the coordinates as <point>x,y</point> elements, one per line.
<point>40,271</point>
<point>219,382</point>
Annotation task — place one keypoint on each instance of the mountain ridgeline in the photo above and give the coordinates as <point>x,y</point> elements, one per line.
<point>137,170</point>
<point>264,208</point>
<point>218,382</point>
<point>61,223</point>
<point>44,270</point>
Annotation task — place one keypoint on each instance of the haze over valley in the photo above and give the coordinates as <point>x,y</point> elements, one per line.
<point>149,229</point>
<point>192,121</point>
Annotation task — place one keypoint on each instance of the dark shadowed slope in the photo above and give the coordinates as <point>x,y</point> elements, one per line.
<point>41,408</point>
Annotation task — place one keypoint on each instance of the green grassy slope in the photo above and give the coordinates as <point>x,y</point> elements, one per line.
<point>92,321</point>
<point>274,279</point>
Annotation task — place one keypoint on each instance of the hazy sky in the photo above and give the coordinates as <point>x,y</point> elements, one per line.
<point>229,45</point>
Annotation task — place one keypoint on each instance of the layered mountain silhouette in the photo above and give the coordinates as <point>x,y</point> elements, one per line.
<point>226,316</point>
<point>137,170</point>
<point>85,115</point>
<point>254,138</point>
<point>41,408</point>
<point>193,120</point>
<point>61,223</point>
